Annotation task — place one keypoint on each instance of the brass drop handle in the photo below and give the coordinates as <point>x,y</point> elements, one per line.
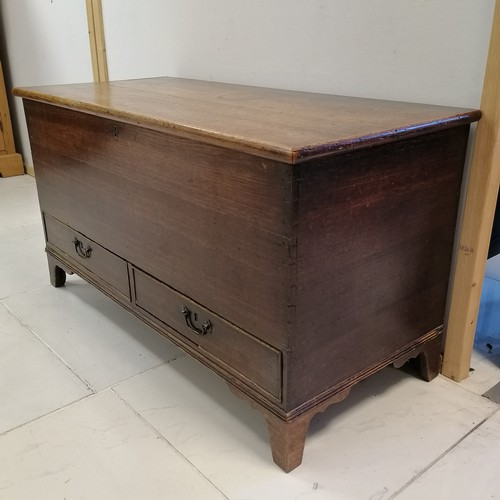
<point>206,327</point>
<point>84,253</point>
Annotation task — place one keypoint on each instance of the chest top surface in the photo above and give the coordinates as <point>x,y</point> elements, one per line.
<point>285,125</point>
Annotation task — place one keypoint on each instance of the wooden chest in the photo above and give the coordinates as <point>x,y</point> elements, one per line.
<point>294,243</point>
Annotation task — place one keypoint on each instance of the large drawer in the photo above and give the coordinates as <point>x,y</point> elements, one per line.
<point>88,254</point>
<point>238,351</point>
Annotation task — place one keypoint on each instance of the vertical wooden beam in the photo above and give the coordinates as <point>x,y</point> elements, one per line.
<point>11,163</point>
<point>97,41</point>
<point>477,222</point>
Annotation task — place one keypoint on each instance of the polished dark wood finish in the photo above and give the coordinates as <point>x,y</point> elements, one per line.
<point>270,123</point>
<point>428,359</point>
<point>57,274</point>
<point>258,363</point>
<point>375,238</point>
<point>294,243</point>
<point>212,224</point>
<point>287,437</point>
<point>99,261</point>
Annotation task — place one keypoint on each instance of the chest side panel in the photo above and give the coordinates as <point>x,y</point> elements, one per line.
<point>210,223</point>
<point>375,238</point>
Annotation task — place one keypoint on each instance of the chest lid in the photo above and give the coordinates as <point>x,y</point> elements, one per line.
<point>285,125</point>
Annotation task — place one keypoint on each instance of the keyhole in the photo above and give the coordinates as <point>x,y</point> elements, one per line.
<point>115,132</point>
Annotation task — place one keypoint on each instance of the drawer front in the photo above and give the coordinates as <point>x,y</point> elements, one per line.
<point>240,352</point>
<point>88,254</point>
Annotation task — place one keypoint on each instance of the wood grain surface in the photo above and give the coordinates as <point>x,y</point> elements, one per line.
<point>479,211</point>
<point>284,125</point>
<point>314,232</point>
<point>375,237</point>
<point>214,225</point>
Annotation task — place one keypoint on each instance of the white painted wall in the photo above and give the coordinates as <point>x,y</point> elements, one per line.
<point>431,51</point>
<point>46,42</point>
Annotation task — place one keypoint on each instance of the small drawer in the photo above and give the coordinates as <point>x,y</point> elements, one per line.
<point>88,254</point>
<point>237,350</point>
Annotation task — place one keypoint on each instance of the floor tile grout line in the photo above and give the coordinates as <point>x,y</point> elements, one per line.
<point>116,384</point>
<point>471,391</point>
<point>440,457</point>
<point>177,451</point>
<point>93,392</point>
<point>168,443</point>
<point>48,414</point>
<point>15,294</point>
<point>27,326</point>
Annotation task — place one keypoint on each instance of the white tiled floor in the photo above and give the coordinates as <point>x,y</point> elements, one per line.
<point>96,406</point>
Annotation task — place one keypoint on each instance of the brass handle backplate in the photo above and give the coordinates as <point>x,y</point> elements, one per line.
<point>84,253</point>
<point>190,318</point>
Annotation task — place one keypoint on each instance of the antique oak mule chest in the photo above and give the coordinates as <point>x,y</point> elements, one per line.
<point>294,243</point>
